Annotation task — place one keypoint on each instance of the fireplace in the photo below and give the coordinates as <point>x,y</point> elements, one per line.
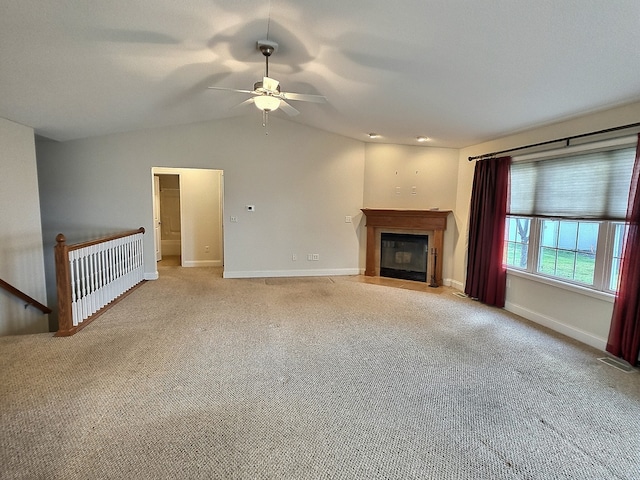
<point>426,223</point>
<point>404,256</point>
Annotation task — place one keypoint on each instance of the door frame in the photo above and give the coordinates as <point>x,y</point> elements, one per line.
<point>157,230</point>
<point>184,234</point>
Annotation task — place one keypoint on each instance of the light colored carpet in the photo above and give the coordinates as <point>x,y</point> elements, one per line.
<point>195,376</point>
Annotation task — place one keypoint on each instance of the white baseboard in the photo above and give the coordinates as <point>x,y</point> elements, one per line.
<point>202,263</point>
<point>292,273</point>
<point>453,284</point>
<point>171,247</point>
<point>558,326</point>
<point>151,276</point>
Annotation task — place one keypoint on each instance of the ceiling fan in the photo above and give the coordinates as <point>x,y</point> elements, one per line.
<point>266,95</point>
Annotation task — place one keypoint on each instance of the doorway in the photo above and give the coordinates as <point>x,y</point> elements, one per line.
<point>188,205</point>
<point>169,245</point>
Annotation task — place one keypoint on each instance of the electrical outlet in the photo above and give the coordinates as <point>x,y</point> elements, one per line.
<point>347,219</point>
<point>294,257</point>
<point>234,219</point>
<point>315,257</point>
<point>206,249</point>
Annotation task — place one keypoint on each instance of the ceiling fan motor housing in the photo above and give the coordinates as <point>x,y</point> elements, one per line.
<point>267,47</point>
<point>259,87</point>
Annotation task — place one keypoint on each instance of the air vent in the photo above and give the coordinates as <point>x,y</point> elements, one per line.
<point>612,362</point>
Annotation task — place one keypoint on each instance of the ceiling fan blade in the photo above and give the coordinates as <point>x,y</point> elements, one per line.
<point>288,109</point>
<point>303,97</point>
<point>232,90</point>
<point>270,84</point>
<point>246,102</point>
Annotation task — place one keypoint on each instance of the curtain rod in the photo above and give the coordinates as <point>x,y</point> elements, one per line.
<point>549,142</point>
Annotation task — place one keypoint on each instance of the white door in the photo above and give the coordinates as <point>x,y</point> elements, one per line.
<point>156,217</point>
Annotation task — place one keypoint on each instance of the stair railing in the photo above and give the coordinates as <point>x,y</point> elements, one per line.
<point>24,297</point>
<point>91,275</point>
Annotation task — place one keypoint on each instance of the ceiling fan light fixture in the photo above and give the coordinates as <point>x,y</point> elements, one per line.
<point>422,139</point>
<point>267,103</point>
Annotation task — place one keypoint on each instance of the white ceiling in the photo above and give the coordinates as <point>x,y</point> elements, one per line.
<point>457,71</point>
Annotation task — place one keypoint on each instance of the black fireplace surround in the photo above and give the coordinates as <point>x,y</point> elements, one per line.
<point>404,256</point>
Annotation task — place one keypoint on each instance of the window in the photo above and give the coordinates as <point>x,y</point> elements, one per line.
<point>568,250</point>
<point>585,253</point>
<point>616,255</point>
<point>566,216</point>
<point>517,242</point>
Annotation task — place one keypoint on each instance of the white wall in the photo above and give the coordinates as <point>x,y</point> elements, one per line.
<point>581,316</point>
<point>302,181</point>
<point>432,171</point>
<point>21,255</point>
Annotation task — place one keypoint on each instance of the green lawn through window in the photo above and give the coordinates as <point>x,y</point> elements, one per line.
<point>568,264</point>
<point>576,266</point>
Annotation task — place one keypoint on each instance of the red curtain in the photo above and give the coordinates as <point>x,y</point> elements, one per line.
<point>624,335</point>
<point>486,274</point>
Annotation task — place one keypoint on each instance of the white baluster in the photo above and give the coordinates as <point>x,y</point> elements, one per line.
<point>73,268</point>
<point>83,286</point>
<point>94,279</point>
<point>99,284</point>
<point>90,283</point>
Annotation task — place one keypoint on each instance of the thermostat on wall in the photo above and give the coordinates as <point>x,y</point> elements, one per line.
<point>251,208</point>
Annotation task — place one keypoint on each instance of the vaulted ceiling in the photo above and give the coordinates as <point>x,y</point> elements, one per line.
<point>457,71</point>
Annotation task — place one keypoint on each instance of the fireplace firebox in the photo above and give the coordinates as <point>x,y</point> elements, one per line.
<point>404,256</point>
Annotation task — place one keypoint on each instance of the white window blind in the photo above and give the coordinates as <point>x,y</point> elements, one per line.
<point>591,185</point>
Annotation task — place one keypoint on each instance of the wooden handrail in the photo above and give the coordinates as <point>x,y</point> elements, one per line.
<point>60,238</point>
<point>23,296</point>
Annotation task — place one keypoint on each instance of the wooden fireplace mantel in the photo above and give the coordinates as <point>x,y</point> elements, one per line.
<point>379,219</point>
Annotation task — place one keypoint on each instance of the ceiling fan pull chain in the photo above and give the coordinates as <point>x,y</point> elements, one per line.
<point>265,121</point>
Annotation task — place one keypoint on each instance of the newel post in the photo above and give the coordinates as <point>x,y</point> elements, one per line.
<point>63,285</point>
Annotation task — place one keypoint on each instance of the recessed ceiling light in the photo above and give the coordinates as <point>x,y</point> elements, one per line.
<point>374,135</point>
<point>422,139</point>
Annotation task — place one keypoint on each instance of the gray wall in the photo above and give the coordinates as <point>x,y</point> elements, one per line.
<point>302,181</point>
<point>21,256</point>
